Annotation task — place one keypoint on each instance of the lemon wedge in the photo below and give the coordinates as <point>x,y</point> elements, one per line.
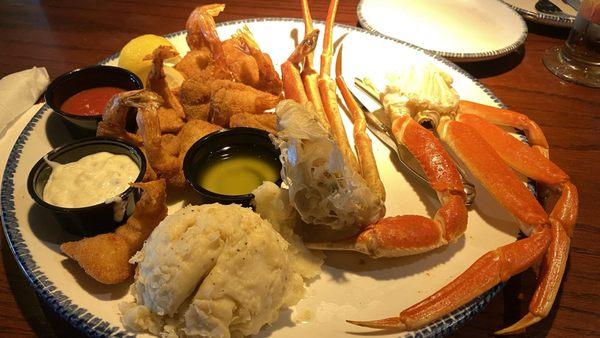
<point>133,53</point>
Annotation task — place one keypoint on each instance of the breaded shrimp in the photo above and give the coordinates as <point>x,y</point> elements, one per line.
<point>165,164</point>
<point>170,112</point>
<point>114,117</point>
<point>106,257</point>
<point>268,78</point>
<point>266,122</point>
<point>229,98</point>
<point>194,62</point>
<point>195,93</point>
<point>192,132</point>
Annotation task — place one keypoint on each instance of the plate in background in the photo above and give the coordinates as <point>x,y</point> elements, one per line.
<point>527,9</point>
<point>460,30</point>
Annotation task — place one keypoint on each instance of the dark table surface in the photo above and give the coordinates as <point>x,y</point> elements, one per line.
<point>63,35</point>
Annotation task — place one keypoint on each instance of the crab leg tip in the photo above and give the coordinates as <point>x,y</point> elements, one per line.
<point>527,320</point>
<point>387,323</point>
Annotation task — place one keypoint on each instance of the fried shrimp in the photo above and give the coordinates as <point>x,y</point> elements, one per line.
<point>170,112</point>
<point>106,257</point>
<point>229,98</point>
<point>192,132</point>
<point>114,117</point>
<point>268,79</point>
<point>192,64</point>
<point>195,94</point>
<point>166,165</point>
<point>266,122</point>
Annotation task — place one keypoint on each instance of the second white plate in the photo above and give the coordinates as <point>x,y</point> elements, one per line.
<point>527,9</point>
<point>460,30</point>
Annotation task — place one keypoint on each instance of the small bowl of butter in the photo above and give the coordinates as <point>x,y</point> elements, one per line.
<point>86,184</point>
<point>226,166</point>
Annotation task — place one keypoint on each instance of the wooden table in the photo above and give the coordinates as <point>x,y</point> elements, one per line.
<point>63,35</point>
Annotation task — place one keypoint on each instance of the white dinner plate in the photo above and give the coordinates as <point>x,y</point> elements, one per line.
<point>351,286</point>
<point>527,9</point>
<point>460,30</point>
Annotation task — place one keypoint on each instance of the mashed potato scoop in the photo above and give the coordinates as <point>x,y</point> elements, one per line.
<point>212,270</point>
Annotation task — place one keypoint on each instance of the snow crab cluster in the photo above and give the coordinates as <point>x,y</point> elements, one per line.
<point>325,178</point>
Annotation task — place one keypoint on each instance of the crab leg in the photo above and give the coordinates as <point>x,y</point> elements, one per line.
<point>508,118</point>
<point>497,265</point>
<point>551,272</point>
<point>362,142</point>
<point>290,73</point>
<point>327,90</point>
<point>412,234</point>
<point>310,77</point>
<point>492,268</point>
<point>532,163</point>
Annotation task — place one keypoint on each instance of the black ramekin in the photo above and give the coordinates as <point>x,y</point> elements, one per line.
<point>81,79</point>
<point>95,219</point>
<point>247,140</point>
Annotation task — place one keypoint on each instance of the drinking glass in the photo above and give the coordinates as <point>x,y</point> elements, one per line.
<point>578,60</point>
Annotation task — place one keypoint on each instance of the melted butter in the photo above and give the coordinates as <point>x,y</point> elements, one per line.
<point>91,180</point>
<point>238,174</point>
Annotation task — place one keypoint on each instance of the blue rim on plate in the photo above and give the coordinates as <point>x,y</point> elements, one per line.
<point>458,57</point>
<point>83,320</point>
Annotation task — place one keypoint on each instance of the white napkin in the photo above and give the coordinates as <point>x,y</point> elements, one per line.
<point>18,92</point>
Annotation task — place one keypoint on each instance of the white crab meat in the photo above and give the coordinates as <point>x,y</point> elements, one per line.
<point>322,188</point>
<point>420,87</point>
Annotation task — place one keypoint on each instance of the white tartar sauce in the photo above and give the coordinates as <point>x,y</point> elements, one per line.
<point>91,180</point>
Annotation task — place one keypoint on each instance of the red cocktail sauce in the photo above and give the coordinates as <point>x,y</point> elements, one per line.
<point>89,102</point>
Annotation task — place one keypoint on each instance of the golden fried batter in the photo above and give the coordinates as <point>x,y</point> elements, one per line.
<point>243,67</point>
<point>195,96</point>
<point>266,122</point>
<point>192,132</point>
<point>170,143</point>
<point>266,79</point>
<point>106,257</point>
<point>194,62</point>
<point>170,112</point>
<point>229,98</point>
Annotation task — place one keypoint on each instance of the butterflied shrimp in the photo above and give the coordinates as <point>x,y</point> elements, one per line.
<point>106,257</point>
<point>268,78</point>
<point>114,117</point>
<point>192,64</point>
<point>203,40</point>
<point>229,98</point>
<point>243,67</point>
<point>195,93</point>
<point>170,113</point>
<point>164,163</point>
<point>202,34</point>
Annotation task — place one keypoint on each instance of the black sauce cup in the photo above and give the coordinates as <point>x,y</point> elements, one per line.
<point>75,81</point>
<point>95,219</point>
<point>224,143</point>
